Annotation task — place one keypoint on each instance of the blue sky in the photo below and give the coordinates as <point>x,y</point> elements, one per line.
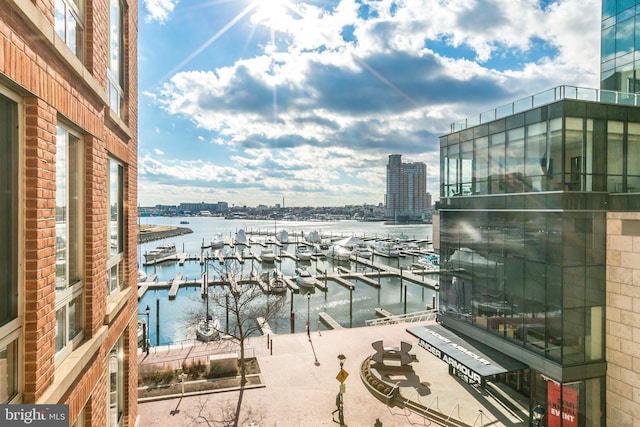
<point>256,101</point>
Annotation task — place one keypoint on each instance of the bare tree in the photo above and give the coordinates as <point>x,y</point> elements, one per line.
<point>244,303</point>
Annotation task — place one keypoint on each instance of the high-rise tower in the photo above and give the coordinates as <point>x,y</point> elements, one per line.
<point>406,195</point>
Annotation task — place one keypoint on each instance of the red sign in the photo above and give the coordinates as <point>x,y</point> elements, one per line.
<point>562,412</point>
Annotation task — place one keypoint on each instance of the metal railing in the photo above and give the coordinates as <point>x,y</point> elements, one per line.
<point>418,316</point>
<point>547,97</point>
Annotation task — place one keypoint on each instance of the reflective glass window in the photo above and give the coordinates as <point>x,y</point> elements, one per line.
<point>615,135</point>
<point>633,157</point>
<point>9,212</point>
<point>69,241</point>
<point>8,371</point>
<point>69,24</point>
<point>574,157</point>
<point>553,164</point>
<point>115,69</point>
<point>608,44</point>
<point>624,36</point>
<point>481,165</point>
<point>497,162</point>
<point>608,8</point>
<point>117,389</point>
<point>116,236</point>
<point>515,160</point>
<point>466,167</point>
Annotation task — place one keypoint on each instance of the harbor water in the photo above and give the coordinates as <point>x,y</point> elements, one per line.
<point>171,317</point>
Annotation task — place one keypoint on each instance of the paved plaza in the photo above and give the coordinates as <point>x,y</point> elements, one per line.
<point>300,387</point>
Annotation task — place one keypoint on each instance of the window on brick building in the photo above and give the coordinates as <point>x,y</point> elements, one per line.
<point>115,208</point>
<point>116,385</point>
<point>9,244</point>
<point>69,24</point>
<point>115,70</point>
<point>69,237</point>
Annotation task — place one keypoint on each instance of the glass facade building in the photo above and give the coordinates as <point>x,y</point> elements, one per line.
<point>620,45</point>
<point>525,192</point>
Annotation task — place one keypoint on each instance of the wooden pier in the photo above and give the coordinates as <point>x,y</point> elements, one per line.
<point>329,321</point>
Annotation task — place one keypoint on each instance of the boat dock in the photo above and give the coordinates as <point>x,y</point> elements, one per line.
<point>264,326</point>
<point>341,276</point>
<point>329,321</point>
<point>175,284</point>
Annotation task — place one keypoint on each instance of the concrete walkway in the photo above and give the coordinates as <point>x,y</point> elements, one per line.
<point>301,386</point>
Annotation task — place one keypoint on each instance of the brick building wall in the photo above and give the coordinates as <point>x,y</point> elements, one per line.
<point>56,86</point>
<point>623,318</point>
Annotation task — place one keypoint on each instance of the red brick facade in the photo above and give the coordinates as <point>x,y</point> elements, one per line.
<point>53,84</point>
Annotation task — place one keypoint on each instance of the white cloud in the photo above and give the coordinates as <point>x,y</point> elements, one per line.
<point>320,115</point>
<point>159,10</point>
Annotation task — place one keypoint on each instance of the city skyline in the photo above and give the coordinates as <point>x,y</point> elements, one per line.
<point>305,100</point>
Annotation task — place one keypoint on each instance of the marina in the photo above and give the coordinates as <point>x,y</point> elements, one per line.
<point>347,292</point>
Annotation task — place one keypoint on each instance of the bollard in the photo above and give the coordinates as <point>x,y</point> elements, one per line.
<point>271,348</point>
<point>267,340</point>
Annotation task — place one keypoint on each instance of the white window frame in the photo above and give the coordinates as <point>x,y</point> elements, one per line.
<point>72,292</point>
<point>116,55</point>
<point>11,332</point>
<point>116,385</point>
<point>115,260</point>
<point>67,13</point>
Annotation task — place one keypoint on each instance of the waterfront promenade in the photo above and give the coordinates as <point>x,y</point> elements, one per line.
<point>300,386</point>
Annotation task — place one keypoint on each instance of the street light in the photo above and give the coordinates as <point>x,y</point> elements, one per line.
<point>341,359</point>
<point>537,414</point>
<point>308,318</point>
<point>339,397</point>
<point>145,326</point>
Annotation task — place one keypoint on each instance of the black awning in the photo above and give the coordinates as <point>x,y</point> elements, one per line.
<point>472,358</point>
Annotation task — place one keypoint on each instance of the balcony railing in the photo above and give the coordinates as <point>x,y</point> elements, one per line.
<point>547,97</point>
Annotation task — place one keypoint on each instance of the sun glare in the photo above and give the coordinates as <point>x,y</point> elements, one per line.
<point>272,12</point>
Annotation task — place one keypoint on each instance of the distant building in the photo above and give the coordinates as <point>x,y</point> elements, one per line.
<point>68,196</point>
<point>406,194</point>
<point>213,208</point>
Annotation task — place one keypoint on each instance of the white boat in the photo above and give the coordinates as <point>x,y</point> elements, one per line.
<point>282,236</point>
<point>217,242</point>
<point>276,284</point>
<point>303,253</point>
<point>384,248</point>
<point>338,252</point>
<point>208,329</point>
<point>304,278</point>
<point>142,276</point>
<point>363,251</point>
<point>241,238</point>
<point>430,262</point>
<point>313,237</point>
<point>160,253</point>
<point>267,255</point>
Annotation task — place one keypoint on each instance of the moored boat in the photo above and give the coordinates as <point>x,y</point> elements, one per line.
<point>282,236</point>
<point>160,253</point>
<point>208,329</point>
<point>267,255</point>
<point>304,278</point>
<point>241,238</point>
<point>303,253</point>
<point>217,242</point>
<point>363,251</point>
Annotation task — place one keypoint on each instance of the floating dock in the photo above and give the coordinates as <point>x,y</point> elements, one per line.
<point>329,321</point>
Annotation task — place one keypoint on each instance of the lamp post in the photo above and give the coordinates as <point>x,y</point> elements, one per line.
<point>145,326</point>
<point>339,397</point>
<point>308,317</point>
<point>537,414</point>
